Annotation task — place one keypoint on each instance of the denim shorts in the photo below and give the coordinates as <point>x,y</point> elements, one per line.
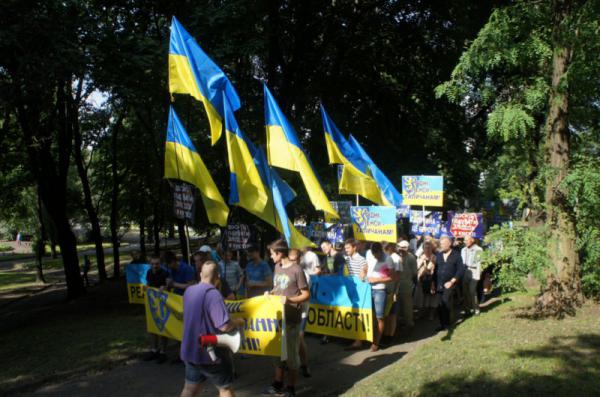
<point>379,297</point>
<point>220,375</point>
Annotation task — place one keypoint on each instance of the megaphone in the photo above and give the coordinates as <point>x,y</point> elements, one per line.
<point>230,340</point>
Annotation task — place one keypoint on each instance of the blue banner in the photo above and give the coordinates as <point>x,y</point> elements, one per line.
<point>340,306</point>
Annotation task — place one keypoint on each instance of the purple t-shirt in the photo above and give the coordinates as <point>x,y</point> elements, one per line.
<point>204,313</point>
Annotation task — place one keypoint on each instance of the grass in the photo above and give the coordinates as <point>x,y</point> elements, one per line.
<point>5,248</point>
<point>85,336</point>
<point>87,246</point>
<point>500,354</point>
<point>10,280</point>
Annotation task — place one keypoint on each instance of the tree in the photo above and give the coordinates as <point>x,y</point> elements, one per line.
<point>530,65</point>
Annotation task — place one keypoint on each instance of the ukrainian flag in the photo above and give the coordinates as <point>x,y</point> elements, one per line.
<point>385,185</point>
<point>255,186</point>
<point>192,72</point>
<point>183,162</point>
<point>356,177</point>
<point>285,151</point>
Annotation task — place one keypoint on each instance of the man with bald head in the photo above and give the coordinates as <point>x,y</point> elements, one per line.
<point>204,313</point>
<point>449,270</point>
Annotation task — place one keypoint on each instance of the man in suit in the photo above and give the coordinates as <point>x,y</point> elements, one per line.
<point>449,270</point>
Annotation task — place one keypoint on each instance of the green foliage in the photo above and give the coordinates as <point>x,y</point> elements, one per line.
<point>517,252</point>
<point>509,121</point>
<point>582,189</point>
<point>5,248</point>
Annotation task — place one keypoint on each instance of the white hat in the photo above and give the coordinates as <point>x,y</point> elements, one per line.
<point>403,244</point>
<point>205,248</point>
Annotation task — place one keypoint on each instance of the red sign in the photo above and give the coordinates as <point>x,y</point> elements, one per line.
<point>464,225</point>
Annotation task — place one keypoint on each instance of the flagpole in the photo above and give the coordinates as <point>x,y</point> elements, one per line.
<point>357,200</point>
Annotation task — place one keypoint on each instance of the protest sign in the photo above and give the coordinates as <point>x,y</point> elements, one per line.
<point>340,306</point>
<point>336,233</point>
<point>343,209</point>
<point>423,190</point>
<point>402,211</point>
<point>375,223</point>
<point>183,201</point>
<point>135,274</point>
<point>465,224</point>
<point>432,223</point>
<point>239,236</point>
<point>261,334</point>
<point>316,231</point>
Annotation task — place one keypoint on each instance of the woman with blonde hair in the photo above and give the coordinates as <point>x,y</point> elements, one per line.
<point>425,297</point>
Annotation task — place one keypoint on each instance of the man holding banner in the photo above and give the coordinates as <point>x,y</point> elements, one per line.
<point>289,282</point>
<point>204,313</point>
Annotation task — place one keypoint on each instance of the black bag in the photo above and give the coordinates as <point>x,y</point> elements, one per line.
<point>426,281</point>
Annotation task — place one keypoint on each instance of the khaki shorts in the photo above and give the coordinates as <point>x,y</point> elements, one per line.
<point>292,332</point>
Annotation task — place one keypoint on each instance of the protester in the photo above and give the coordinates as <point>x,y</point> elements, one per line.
<point>201,257</point>
<point>449,270</point>
<point>357,267</point>
<point>380,268</point>
<point>406,278</point>
<point>471,257</point>
<point>181,275</point>
<point>156,277</point>
<point>137,258</point>
<point>204,313</point>
<point>425,297</point>
<point>258,274</point>
<point>290,283</point>
<point>231,272</point>
<point>391,320</point>
<point>335,259</point>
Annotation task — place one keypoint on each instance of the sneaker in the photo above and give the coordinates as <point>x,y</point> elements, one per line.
<point>374,347</point>
<point>272,390</point>
<point>325,340</point>
<point>151,355</point>
<point>305,371</point>
<point>161,358</point>
<point>289,392</point>
<point>476,312</point>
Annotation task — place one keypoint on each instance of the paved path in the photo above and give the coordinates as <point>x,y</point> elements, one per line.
<point>333,372</point>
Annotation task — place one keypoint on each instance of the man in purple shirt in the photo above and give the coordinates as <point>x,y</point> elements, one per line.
<point>204,313</point>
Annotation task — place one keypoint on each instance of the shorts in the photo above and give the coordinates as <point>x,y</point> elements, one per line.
<point>379,297</point>
<point>220,375</point>
<point>292,333</point>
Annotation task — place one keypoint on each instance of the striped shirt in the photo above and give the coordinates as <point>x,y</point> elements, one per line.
<point>356,264</point>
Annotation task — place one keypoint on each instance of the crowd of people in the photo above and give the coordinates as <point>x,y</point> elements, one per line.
<point>422,277</point>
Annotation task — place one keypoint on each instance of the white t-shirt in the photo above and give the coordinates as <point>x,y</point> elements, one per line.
<point>379,269</point>
<point>397,261</point>
<point>472,259</point>
<point>310,263</point>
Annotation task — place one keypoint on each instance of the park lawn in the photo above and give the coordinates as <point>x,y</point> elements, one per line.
<point>500,354</point>
<point>85,339</point>
<point>10,280</point>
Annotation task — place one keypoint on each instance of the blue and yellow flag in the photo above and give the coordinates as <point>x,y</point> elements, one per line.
<point>285,151</point>
<point>392,194</point>
<point>183,162</point>
<point>192,72</point>
<point>356,177</point>
<point>255,186</point>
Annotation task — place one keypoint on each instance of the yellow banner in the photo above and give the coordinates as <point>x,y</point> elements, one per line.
<point>262,316</point>
<point>135,293</point>
<point>344,322</point>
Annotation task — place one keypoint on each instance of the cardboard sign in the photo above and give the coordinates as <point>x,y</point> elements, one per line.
<point>375,223</point>
<point>423,190</point>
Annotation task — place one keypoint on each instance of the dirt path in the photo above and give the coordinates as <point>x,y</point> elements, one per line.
<point>333,372</point>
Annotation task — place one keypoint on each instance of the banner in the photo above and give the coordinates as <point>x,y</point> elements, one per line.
<point>423,190</point>
<point>135,275</point>
<point>340,306</point>
<point>183,201</point>
<point>465,224</point>
<point>343,209</point>
<point>262,315</point>
<point>239,236</point>
<point>374,223</point>
<point>316,231</point>
<point>403,211</point>
<point>432,224</point>
<point>336,233</point>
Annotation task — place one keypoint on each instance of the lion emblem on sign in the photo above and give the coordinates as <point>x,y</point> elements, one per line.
<point>157,302</point>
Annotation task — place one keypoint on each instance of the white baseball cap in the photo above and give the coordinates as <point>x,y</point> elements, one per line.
<point>403,244</point>
<point>205,248</point>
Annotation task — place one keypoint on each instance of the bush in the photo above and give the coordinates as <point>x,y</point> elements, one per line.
<point>5,248</point>
<point>516,253</point>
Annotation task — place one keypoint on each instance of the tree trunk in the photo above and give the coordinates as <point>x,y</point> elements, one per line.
<point>143,236</point>
<point>40,245</point>
<point>114,202</point>
<point>87,196</point>
<point>563,293</point>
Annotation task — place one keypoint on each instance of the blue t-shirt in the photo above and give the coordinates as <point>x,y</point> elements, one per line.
<point>184,274</point>
<point>258,272</point>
